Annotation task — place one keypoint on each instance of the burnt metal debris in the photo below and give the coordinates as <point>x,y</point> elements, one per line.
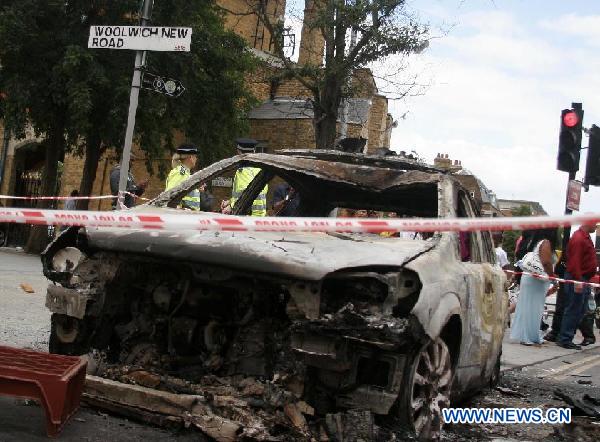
<point>286,336</point>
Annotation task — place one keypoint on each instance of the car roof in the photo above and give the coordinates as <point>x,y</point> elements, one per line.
<point>387,161</point>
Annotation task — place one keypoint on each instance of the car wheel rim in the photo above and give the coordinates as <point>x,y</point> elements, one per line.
<point>430,390</point>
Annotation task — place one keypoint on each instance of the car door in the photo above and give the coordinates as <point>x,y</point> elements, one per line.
<point>487,302</point>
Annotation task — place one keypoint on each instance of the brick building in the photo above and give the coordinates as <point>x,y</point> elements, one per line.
<point>486,199</point>
<point>367,114</point>
<point>507,207</point>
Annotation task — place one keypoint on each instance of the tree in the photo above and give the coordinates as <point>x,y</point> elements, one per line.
<point>31,51</point>
<point>356,33</point>
<point>213,110</point>
<point>78,98</point>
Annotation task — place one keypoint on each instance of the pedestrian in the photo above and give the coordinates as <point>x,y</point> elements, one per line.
<point>539,246</point>
<point>501,256</point>
<point>581,267</point>
<point>586,325</point>
<point>131,187</point>
<point>559,270</point>
<point>242,179</point>
<point>285,200</point>
<point>183,161</point>
<point>71,202</point>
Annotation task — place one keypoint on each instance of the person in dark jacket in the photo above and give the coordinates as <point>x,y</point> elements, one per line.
<point>285,200</point>
<point>132,187</point>
<point>581,266</point>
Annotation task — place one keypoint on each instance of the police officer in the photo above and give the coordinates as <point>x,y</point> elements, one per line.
<point>132,188</point>
<point>243,177</point>
<point>184,160</point>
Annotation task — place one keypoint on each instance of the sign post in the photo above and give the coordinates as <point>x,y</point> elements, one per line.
<point>573,194</point>
<point>140,38</point>
<point>140,58</point>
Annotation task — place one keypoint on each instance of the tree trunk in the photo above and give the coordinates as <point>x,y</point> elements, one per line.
<point>326,114</point>
<point>325,131</point>
<point>55,145</point>
<point>90,166</point>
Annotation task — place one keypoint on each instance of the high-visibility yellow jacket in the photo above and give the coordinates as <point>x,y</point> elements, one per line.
<point>178,175</point>
<point>243,177</point>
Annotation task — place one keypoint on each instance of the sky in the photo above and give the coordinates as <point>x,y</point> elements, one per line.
<point>496,76</point>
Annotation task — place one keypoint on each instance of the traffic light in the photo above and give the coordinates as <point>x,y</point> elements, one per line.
<point>592,166</point>
<point>569,142</point>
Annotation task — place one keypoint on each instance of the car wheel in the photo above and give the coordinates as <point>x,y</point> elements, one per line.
<point>427,390</point>
<point>68,335</point>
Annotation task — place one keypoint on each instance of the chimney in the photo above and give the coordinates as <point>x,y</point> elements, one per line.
<point>442,162</point>
<point>312,42</point>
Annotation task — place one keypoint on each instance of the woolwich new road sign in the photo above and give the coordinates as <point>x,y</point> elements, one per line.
<point>141,38</point>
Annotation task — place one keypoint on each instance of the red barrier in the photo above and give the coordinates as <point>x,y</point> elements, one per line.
<point>56,380</point>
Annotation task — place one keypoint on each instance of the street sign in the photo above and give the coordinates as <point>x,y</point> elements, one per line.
<point>573,195</point>
<point>141,38</point>
<point>162,85</point>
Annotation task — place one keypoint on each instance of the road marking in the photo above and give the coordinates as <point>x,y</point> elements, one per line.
<point>559,371</point>
<point>580,369</point>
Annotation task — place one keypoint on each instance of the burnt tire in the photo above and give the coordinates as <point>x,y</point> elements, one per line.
<point>426,390</point>
<point>68,335</point>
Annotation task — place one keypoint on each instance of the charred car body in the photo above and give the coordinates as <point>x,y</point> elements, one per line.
<point>393,325</point>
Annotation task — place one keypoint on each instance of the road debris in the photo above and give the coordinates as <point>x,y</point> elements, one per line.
<point>509,391</point>
<point>26,288</point>
<point>585,406</point>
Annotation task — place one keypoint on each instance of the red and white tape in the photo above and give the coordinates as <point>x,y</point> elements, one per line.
<point>55,198</point>
<point>554,278</point>
<point>186,220</point>
<point>63,198</point>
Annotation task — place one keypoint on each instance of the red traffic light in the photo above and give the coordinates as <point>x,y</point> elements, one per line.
<point>570,119</point>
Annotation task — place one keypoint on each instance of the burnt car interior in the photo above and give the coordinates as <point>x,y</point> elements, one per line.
<point>319,196</point>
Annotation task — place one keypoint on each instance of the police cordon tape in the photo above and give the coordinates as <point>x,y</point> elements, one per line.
<point>187,220</point>
<point>553,278</point>
<point>63,198</point>
<point>55,198</point>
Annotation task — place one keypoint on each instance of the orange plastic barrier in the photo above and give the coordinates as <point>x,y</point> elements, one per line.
<point>56,380</point>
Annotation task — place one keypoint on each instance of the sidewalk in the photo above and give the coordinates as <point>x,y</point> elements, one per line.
<point>515,355</point>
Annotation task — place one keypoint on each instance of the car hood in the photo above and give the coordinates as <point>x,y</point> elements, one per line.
<point>303,255</point>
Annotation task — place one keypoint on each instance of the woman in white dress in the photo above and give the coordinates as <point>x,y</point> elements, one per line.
<point>525,327</point>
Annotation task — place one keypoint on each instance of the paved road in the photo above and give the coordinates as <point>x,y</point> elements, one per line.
<point>24,320</point>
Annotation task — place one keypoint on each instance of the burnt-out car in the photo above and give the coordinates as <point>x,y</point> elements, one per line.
<point>392,325</point>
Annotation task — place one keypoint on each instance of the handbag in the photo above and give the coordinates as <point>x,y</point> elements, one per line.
<point>531,261</point>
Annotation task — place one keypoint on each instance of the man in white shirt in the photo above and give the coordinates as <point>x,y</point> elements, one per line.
<point>501,255</point>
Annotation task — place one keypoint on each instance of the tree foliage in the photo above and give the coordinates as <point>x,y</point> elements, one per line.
<point>382,28</point>
<point>78,98</point>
